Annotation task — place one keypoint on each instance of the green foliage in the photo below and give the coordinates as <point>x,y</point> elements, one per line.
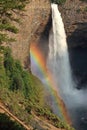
<point>22,92</point>
<point>84,0</point>
<point>6,123</point>
<point>47,113</point>
<point>20,79</point>
<point>85,9</point>
<point>16,103</point>
<point>82,10</point>
<point>6,10</point>
<point>8,27</point>
<point>12,4</point>
<point>3,77</point>
<point>58,1</point>
<point>19,89</point>
<point>13,70</point>
<point>5,38</point>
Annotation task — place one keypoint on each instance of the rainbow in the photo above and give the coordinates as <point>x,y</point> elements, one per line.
<point>39,60</point>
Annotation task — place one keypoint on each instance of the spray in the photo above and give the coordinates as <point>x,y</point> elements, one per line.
<point>59,65</point>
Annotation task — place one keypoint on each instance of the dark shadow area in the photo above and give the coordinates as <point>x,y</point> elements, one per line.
<point>79,116</point>
<point>84,0</point>
<point>77,43</point>
<point>44,39</point>
<point>78,60</point>
<point>79,36</point>
<point>7,124</point>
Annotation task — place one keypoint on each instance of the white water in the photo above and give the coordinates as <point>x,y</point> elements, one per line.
<point>58,64</point>
<point>58,59</point>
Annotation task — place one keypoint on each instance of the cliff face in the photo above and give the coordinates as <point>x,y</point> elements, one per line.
<point>74,13</point>
<point>35,16</point>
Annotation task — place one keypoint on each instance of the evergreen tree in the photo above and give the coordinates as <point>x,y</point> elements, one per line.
<point>6,9</point>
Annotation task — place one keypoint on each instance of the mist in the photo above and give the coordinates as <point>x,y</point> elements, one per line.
<point>58,63</point>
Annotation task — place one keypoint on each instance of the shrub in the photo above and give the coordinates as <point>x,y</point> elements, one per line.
<point>6,15</point>
<point>85,9</point>
<point>9,27</point>
<point>58,1</point>
<point>6,123</point>
<point>4,81</point>
<point>20,79</point>
<point>84,0</point>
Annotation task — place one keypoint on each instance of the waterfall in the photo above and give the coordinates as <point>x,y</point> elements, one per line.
<point>59,66</point>
<point>58,58</point>
<point>58,62</point>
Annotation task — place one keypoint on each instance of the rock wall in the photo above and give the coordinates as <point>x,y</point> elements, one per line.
<point>34,17</point>
<point>74,13</point>
<point>37,16</point>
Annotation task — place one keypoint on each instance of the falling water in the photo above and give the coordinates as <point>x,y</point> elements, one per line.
<point>58,64</point>
<point>58,59</point>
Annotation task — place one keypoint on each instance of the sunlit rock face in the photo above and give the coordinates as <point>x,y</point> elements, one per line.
<point>32,23</point>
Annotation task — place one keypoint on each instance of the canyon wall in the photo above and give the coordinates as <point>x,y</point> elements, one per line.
<point>34,18</point>
<point>74,13</point>
<point>35,23</point>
